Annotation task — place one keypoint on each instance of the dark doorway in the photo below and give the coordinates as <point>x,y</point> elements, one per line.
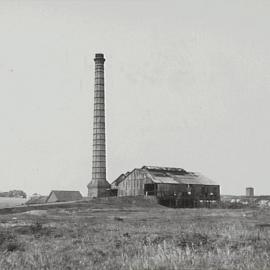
<point>150,189</point>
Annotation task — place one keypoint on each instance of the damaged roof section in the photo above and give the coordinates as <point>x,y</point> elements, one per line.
<point>163,171</point>
<point>188,179</point>
<point>168,175</point>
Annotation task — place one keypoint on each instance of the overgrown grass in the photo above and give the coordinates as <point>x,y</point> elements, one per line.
<point>136,238</point>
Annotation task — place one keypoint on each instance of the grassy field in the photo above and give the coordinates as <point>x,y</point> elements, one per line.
<point>11,202</point>
<point>140,235</point>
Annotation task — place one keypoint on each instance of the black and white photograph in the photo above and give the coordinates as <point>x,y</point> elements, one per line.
<point>134,134</point>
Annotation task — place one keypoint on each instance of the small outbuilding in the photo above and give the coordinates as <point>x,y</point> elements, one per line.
<point>64,196</point>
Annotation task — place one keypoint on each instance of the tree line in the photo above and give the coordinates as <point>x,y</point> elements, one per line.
<point>14,194</point>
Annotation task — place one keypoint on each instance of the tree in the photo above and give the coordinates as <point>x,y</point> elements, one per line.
<point>17,193</point>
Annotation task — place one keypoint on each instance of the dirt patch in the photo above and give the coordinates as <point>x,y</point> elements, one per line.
<point>36,212</point>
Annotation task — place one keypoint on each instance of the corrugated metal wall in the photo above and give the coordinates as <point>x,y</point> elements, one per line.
<point>133,185</point>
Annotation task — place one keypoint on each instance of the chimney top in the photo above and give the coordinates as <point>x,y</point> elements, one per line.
<point>99,56</point>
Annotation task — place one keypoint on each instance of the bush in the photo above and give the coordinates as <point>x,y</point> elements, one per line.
<point>9,241</point>
<point>36,227</point>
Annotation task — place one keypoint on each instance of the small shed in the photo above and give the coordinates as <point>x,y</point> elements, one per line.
<point>64,196</point>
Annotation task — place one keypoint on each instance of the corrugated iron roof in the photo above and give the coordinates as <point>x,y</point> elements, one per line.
<point>194,179</point>
<point>164,170</point>
<point>166,175</point>
<point>164,180</point>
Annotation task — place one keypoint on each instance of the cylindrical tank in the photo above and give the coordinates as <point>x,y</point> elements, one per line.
<point>250,191</point>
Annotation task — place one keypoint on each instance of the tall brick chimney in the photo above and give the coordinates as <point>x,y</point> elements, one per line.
<point>98,186</point>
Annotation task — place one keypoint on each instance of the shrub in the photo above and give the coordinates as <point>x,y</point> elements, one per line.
<point>36,227</point>
<point>9,241</point>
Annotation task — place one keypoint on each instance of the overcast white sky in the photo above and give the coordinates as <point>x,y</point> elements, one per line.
<point>187,85</point>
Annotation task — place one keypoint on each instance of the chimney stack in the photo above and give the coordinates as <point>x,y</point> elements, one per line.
<point>99,187</point>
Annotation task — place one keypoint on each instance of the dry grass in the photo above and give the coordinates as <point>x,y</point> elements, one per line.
<point>135,238</point>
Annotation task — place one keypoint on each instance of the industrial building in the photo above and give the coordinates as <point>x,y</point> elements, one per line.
<point>169,185</point>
